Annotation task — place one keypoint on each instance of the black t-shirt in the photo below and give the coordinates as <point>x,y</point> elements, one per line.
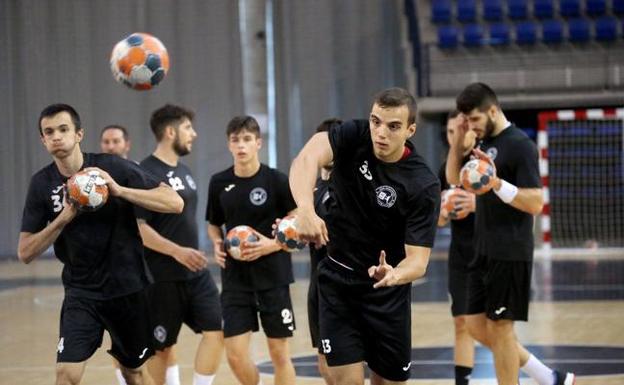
<point>179,228</point>
<point>462,230</point>
<point>321,201</point>
<point>254,201</point>
<point>102,250</point>
<point>375,205</point>
<point>502,231</point>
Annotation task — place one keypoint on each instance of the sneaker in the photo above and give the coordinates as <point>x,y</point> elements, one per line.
<point>564,378</point>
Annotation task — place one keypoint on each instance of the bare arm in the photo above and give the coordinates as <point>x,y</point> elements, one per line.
<point>216,236</point>
<point>192,259</point>
<point>303,171</point>
<point>412,267</point>
<point>32,245</point>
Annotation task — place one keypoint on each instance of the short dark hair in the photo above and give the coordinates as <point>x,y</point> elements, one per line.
<point>327,124</point>
<point>452,114</point>
<point>397,97</point>
<point>119,127</point>
<point>243,122</point>
<point>476,95</point>
<point>166,115</point>
<point>57,108</point>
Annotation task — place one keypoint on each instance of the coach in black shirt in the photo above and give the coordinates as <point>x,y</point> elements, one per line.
<point>499,284</point>
<point>104,271</point>
<point>381,224</point>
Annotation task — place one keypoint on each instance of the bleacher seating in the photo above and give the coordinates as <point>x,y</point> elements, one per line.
<point>517,9</point>
<point>492,10</point>
<point>570,8</point>
<point>473,35</point>
<point>606,28</point>
<point>543,9</point>
<point>552,31</point>
<point>441,11</point>
<point>466,11</point>
<point>499,34</point>
<point>447,36</point>
<point>579,30</point>
<point>526,33</point>
<point>618,7</point>
<point>595,7</point>
<point>526,22</point>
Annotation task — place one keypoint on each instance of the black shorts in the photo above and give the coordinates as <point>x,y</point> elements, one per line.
<point>500,289</point>
<point>194,302</point>
<point>460,256</point>
<point>126,319</point>
<point>360,323</point>
<point>241,308</point>
<point>313,312</point>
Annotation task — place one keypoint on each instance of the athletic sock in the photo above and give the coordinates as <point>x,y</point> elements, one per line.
<point>173,375</point>
<point>120,377</point>
<point>462,375</point>
<point>202,379</point>
<point>539,372</point>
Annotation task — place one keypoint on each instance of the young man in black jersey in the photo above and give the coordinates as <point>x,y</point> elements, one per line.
<point>183,291</point>
<point>461,252</point>
<point>250,193</point>
<point>381,223</point>
<point>321,201</point>
<point>104,271</point>
<point>114,139</point>
<point>499,283</point>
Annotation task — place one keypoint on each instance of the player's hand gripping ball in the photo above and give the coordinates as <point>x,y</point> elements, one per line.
<point>448,203</point>
<point>87,190</point>
<point>477,176</point>
<point>286,234</point>
<point>139,61</point>
<point>235,239</point>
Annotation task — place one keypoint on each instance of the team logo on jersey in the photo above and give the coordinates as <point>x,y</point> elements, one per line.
<point>160,333</point>
<point>386,196</point>
<point>365,171</point>
<point>258,196</point>
<point>492,152</point>
<point>191,182</point>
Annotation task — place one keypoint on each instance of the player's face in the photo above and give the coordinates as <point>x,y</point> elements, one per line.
<point>244,146</point>
<point>482,122</point>
<point>389,131</point>
<point>113,142</point>
<point>185,135</point>
<point>59,135</point>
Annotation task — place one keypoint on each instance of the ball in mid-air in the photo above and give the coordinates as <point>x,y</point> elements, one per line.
<point>139,61</point>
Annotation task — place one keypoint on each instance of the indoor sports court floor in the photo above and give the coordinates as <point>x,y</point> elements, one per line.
<point>576,324</point>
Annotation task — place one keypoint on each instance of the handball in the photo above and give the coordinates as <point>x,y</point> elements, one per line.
<point>235,239</point>
<point>477,176</point>
<point>139,61</point>
<point>87,190</point>
<point>286,234</point>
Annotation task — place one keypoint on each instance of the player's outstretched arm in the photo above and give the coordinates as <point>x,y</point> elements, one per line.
<point>192,259</point>
<point>32,245</point>
<point>412,267</point>
<point>162,199</point>
<point>303,172</point>
<point>216,236</point>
